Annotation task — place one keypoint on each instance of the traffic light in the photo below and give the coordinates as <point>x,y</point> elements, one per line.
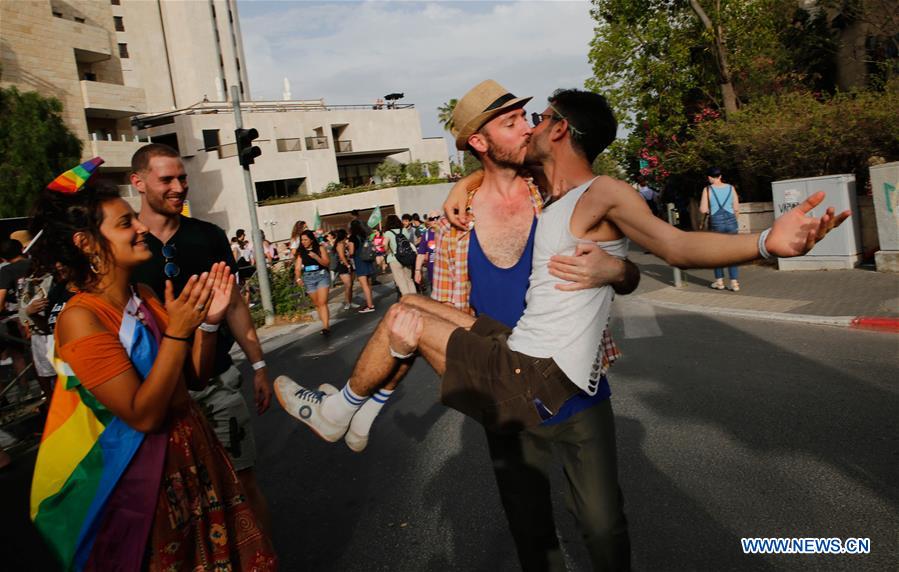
<point>246,151</point>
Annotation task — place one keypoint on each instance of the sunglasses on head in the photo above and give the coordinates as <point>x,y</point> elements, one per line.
<point>433,218</point>
<point>171,269</point>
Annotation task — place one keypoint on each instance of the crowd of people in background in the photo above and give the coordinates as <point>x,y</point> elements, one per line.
<point>356,254</point>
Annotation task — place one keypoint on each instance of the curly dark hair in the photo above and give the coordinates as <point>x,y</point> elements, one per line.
<point>60,216</point>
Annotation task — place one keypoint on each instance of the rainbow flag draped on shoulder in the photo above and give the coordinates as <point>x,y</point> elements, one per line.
<point>91,464</point>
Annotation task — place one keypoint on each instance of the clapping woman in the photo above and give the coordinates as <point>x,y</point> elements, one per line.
<point>130,475</point>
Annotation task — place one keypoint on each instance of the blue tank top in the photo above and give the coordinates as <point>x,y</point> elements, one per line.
<point>500,293</point>
<point>720,199</point>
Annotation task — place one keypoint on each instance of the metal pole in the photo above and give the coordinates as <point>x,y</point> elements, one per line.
<point>678,281</point>
<point>265,288</point>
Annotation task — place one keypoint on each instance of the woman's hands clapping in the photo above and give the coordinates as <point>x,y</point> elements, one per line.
<point>204,298</point>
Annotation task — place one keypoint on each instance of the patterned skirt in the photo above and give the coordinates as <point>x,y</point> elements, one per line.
<point>203,519</point>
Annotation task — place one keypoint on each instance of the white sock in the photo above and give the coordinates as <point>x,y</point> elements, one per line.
<point>340,408</point>
<point>362,420</point>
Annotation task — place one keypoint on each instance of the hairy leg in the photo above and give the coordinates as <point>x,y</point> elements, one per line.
<point>416,321</point>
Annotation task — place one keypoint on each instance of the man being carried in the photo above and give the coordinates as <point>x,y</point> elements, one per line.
<point>516,379</point>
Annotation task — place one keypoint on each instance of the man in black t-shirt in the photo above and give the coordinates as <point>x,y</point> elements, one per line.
<point>182,247</point>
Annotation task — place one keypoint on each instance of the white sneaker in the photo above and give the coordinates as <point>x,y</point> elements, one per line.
<point>346,307</point>
<point>305,405</point>
<point>356,440</point>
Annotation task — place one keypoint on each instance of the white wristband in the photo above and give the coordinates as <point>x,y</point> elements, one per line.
<point>211,328</point>
<point>762,250</point>
<point>258,365</point>
<point>398,355</point>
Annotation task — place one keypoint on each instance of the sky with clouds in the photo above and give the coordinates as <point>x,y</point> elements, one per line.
<point>355,52</point>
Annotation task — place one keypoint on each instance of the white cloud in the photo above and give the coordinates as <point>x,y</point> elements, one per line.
<point>356,52</point>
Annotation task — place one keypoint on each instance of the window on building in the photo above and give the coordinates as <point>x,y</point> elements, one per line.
<point>237,61</point>
<point>356,175</point>
<point>90,76</point>
<point>241,88</point>
<point>210,139</point>
<point>57,14</point>
<point>280,189</point>
<point>119,23</point>
<point>79,19</point>
<point>123,51</point>
<point>115,2</point>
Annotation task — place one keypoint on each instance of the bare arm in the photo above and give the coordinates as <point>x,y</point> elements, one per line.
<point>592,267</point>
<point>144,406</point>
<point>240,322</point>
<point>456,205</point>
<point>736,202</point>
<point>704,201</point>
<point>793,234</point>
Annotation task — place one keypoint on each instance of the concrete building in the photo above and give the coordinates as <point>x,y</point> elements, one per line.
<point>108,60</point>
<point>68,50</point>
<point>181,52</point>
<point>306,145</point>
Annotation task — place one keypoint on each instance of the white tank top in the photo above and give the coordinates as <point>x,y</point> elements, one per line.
<point>566,326</point>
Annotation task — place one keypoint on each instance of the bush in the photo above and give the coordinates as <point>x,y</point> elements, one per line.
<point>792,136</point>
<point>288,298</point>
<point>334,187</point>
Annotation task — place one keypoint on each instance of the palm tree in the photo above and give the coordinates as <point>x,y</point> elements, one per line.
<point>445,114</point>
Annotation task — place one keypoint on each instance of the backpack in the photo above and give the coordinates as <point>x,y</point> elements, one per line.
<point>405,254</point>
<point>366,250</point>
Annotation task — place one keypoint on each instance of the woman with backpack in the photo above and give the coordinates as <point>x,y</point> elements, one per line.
<point>720,202</point>
<point>400,255</point>
<point>363,254</point>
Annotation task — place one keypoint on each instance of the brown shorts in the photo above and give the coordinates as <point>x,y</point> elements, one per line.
<point>502,389</point>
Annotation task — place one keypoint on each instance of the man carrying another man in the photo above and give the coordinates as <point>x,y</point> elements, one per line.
<point>551,364</point>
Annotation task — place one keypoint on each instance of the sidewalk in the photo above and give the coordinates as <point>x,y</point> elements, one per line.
<point>858,298</point>
<point>285,333</point>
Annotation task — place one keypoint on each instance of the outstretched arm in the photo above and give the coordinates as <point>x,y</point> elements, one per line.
<point>793,234</point>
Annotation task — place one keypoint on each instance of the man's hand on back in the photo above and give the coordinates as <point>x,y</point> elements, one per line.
<point>592,267</point>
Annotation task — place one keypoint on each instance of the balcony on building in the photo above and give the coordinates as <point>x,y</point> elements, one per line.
<point>112,101</point>
<point>116,148</point>
<point>315,143</point>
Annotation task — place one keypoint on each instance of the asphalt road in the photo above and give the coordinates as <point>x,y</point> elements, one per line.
<point>726,429</point>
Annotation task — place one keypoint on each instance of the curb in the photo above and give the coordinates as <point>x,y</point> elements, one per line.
<point>876,323</point>
<point>837,321</point>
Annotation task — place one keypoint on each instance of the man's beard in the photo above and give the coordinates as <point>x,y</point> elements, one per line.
<point>503,157</point>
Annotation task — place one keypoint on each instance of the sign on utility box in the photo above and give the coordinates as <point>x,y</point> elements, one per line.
<point>841,248</point>
<point>885,188</point>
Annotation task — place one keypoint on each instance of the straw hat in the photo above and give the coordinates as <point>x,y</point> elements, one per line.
<point>481,104</point>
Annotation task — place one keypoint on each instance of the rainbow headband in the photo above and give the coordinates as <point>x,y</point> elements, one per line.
<point>74,179</point>
<point>70,182</point>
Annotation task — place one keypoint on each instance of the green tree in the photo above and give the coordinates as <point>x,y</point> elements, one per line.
<point>665,66</point>
<point>390,171</point>
<point>415,169</point>
<point>35,147</point>
<point>433,169</point>
<point>445,114</point>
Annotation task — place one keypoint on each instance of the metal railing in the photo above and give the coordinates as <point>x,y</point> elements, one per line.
<point>313,143</point>
<point>287,145</point>
<point>117,136</point>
